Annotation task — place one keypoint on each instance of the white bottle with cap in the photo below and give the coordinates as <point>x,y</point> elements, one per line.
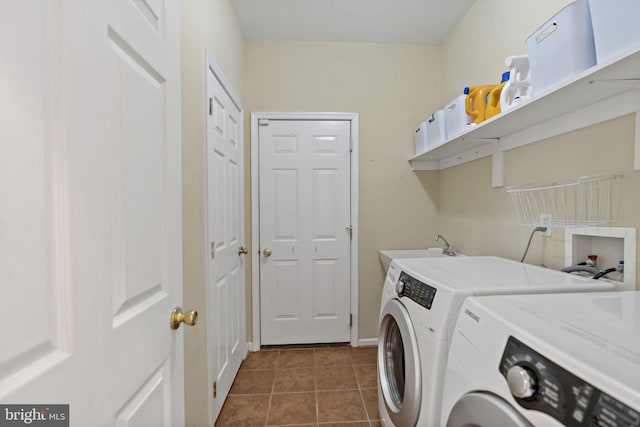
<point>618,275</point>
<point>518,88</point>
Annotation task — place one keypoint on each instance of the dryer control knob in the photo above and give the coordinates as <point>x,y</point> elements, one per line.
<point>400,287</point>
<point>522,382</point>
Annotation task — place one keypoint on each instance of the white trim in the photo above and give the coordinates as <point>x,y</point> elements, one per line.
<point>363,342</point>
<point>255,235</point>
<point>355,184</point>
<point>211,64</point>
<point>636,162</point>
<point>255,211</point>
<point>217,71</point>
<point>367,341</point>
<point>283,115</point>
<point>205,190</point>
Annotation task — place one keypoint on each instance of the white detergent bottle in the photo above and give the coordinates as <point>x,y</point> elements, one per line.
<point>618,275</point>
<point>518,88</point>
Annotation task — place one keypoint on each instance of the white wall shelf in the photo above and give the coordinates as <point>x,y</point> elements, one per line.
<point>603,92</point>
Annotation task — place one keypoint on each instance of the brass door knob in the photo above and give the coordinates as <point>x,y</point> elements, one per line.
<point>177,316</point>
<point>242,251</point>
<point>266,252</point>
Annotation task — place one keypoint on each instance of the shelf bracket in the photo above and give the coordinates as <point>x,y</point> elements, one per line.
<point>467,156</point>
<point>425,165</point>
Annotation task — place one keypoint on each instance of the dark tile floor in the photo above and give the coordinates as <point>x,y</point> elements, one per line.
<point>310,386</point>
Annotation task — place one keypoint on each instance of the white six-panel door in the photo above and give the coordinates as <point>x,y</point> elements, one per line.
<point>304,231</point>
<point>90,224</point>
<point>225,225</point>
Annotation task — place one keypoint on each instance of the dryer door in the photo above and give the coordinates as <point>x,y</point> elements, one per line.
<point>480,409</point>
<point>399,370</point>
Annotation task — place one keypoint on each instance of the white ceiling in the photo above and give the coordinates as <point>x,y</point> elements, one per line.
<point>373,21</point>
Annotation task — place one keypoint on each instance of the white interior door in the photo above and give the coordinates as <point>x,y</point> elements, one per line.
<point>304,231</point>
<point>225,227</point>
<point>90,224</point>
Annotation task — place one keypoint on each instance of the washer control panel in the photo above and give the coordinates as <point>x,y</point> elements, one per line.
<point>416,290</point>
<point>539,384</point>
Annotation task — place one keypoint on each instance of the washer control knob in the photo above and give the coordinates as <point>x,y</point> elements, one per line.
<point>522,382</point>
<point>400,287</point>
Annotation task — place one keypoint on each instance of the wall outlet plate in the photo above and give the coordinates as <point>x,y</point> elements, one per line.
<point>544,220</point>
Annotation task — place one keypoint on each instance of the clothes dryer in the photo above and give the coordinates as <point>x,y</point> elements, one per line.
<point>546,361</point>
<point>420,302</point>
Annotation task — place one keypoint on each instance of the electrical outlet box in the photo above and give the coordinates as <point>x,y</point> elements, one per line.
<point>611,244</point>
<point>545,219</point>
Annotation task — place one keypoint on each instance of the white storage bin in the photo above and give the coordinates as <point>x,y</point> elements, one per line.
<point>562,47</point>
<point>420,138</point>
<point>615,27</point>
<point>436,128</point>
<point>456,118</point>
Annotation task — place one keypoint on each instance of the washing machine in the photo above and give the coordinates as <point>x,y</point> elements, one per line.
<point>545,361</point>
<point>420,301</point>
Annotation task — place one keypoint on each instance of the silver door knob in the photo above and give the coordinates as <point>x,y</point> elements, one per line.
<point>266,252</point>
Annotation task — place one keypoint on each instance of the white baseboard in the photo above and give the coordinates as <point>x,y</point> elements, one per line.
<point>367,341</point>
<point>361,343</point>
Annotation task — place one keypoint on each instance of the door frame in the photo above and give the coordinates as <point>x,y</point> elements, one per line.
<point>212,65</point>
<point>255,213</point>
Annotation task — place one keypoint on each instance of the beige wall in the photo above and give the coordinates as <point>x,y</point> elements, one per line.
<point>207,24</point>
<point>491,30</point>
<point>392,87</point>
<point>479,219</point>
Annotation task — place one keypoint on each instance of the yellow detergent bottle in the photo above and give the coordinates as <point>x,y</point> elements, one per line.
<point>493,100</point>
<point>476,104</point>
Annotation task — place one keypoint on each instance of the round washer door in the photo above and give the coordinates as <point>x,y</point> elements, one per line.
<point>399,372</point>
<point>480,409</point>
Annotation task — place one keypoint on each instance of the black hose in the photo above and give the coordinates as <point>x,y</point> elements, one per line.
<point>578,267</point>
<point>604,273</point>
<point>531,237</point>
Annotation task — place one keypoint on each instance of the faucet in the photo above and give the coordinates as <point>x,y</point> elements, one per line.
<point>446,247</point>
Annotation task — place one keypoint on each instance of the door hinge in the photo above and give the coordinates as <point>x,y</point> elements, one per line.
<point>211,106</point>
<point>350,320</point>
<point>263,122</point>
<point>215,390</point>
<point>350,144</point>
<point>350,230</point>
<point>213,250</point>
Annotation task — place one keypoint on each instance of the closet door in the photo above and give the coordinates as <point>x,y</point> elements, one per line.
<point>90,225</point>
